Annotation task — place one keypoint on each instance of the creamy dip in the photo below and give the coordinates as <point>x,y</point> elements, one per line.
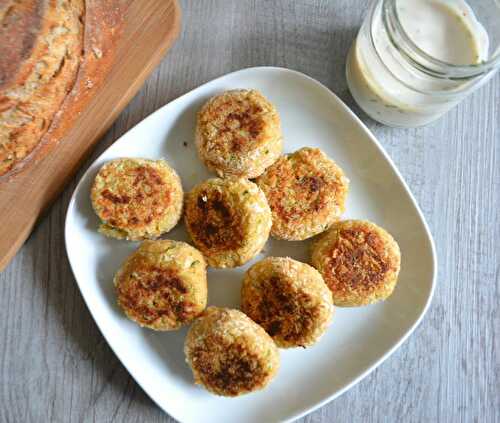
<point>387,88</point>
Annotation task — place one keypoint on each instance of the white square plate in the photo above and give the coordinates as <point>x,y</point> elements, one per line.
<point>358,340</point>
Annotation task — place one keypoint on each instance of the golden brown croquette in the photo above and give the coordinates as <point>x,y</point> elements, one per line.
<point>306,192</point>
<point>228,220</point>
<point>238,133</point>
<point>137,198</point>
<point>163,284</point>
<point>229,354</point>
<point>359,262</point>
<point>289,299</point>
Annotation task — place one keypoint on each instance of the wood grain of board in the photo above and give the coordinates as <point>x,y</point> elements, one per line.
<point>150,27</point>
<point>56,367</point>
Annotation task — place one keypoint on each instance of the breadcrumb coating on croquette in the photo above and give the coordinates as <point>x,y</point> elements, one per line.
<point>229,354</point>
<point>228,220</point>
<point>306,192</point>
<point>289,299</point>
<point>137,198</point>
<point>238,133</point>
<point>162,285</point>
<point>359,261</point>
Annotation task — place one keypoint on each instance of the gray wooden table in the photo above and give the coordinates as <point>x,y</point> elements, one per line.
<point>56,367</point>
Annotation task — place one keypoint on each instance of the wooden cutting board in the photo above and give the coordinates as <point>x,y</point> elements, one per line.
<point>149,29</point>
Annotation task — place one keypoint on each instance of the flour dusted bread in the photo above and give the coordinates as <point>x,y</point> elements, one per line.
<point>41,45</point>
<point>52,54</point>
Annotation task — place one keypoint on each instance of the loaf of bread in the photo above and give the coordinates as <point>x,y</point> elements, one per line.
<point>53,53</point>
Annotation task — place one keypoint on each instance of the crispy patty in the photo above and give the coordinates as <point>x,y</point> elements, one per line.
<point>238,133</point>
<point>289,299</point>
<point>162,285</point>
<point>228,220</point>
<point>306,192</point>
<point>137,198</point>
<point>229,354</point>
<point>359,262</point>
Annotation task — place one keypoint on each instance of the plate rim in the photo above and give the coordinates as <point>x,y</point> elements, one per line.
<point>434,261</point>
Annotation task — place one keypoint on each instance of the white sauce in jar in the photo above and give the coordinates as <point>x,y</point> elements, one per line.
<point>389,90</point>
<point>444,30</point>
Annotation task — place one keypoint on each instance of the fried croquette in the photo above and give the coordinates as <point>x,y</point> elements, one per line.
<point>137,198</point>
<point>228,220</point>
<point>289,299</point>
<point>238,133</point>
<point>359,262</point>
<point>306,192</point>
<point>229,354</point>
<point>163,284</point>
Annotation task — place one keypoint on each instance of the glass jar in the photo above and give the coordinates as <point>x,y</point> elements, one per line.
<point>413,60</point>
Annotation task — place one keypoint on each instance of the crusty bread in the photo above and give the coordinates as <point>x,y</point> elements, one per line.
<point>46,71</point>
<point>52,54</point>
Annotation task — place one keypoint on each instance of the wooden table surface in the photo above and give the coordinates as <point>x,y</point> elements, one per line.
<point>56,367</point>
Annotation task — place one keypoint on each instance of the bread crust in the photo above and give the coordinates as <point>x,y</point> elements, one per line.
<point>87,54</point>
<point>47,69</point>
